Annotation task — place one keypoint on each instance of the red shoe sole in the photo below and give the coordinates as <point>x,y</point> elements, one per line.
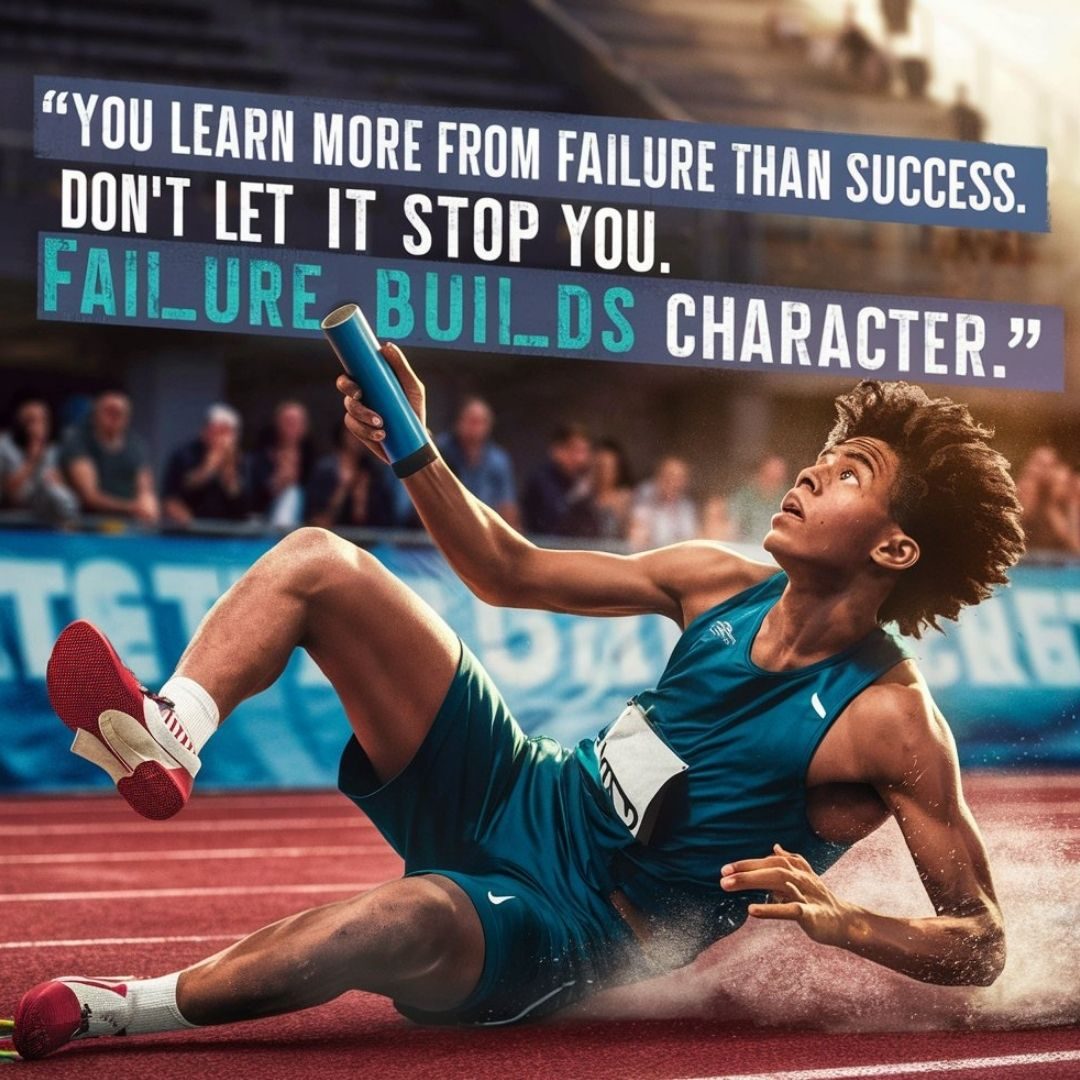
<point>85,677</point>
<point>46,1018</point>
<point>154,791</point>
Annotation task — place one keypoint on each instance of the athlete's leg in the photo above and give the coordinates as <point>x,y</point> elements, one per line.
<point>389,657</point>
<point>417,940</point>
<point>391,660</point>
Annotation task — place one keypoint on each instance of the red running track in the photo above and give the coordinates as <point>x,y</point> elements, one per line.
<point>90,888</point>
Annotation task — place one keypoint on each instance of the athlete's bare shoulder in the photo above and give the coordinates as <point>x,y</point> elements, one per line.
<point>708,572</point>
<point>897,729</point>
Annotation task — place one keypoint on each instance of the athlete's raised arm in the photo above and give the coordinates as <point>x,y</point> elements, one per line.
<point>502,567</point>
<point>908,754</point>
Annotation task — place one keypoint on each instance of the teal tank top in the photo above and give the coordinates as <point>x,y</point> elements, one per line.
<point>748,736</point>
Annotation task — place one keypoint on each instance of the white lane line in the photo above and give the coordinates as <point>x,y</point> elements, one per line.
<point>908,1068</point>
<point>154,894</point>
<point>181,826</point>
<point>81,943</point>
<point>194,854</point>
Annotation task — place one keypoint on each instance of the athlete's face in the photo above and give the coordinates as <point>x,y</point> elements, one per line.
<point>838,513</point>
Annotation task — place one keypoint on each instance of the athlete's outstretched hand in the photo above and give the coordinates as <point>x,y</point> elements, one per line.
<point>366,425</point>
<point>797,894</point>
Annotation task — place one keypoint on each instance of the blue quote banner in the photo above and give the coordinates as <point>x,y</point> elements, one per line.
<point>542,155</point>
<point>516,310</point>
<point>1007,677</point>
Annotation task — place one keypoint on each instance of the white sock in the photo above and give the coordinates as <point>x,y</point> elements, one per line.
<point>153,1006</point>
<point>194,707</point>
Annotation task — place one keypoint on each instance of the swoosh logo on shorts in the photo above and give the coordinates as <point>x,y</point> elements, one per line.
<point>499,899</point>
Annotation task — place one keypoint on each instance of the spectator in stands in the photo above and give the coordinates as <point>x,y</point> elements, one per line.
<point>208,477</point>
<point>348,487</point>
<point>716,522</point>
<point>852,43</point>
<point>896,15</point>
<point>480,464</point>
<point>282,466</point>
<point>1062,509</point>
<point>107,464</point>
<point>753,505</point>
<point>29,466</point>
<point>613,490</point>
<point>858,58</point>
<point>1031,475</point>
<point>558,498</point>
<point>967,121</point>
<point>1049,491</point>
<point>663,512</point>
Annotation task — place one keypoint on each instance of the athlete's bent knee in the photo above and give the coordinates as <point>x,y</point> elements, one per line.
<point>314,558</point>
<point>422,928</point>
<point>310,541</point>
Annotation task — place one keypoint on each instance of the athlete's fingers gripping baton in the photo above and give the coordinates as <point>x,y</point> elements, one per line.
<point>370,421</point>
<point>406,442</point>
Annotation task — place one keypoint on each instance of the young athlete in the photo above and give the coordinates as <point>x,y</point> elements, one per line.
<point>788,724</point>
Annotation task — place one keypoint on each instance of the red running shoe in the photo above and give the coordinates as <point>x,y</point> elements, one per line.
<point>57,1012</point>
<point>119,725</point>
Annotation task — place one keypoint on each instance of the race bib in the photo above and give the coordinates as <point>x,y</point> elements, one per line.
<point>636,766</point>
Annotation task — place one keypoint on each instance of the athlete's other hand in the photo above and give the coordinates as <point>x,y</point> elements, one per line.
<point>366,425</point>
<point>797,894</point>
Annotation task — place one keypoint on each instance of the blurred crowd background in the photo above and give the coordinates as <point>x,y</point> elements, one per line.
<point>93,465</point>
<point>181,430</point>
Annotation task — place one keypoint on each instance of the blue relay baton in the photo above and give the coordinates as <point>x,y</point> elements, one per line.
<point>407,444</point>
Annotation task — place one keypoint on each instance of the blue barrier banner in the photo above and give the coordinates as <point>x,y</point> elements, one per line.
<point>1007,677</point>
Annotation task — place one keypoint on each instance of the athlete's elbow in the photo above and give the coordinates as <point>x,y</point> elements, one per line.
<point>973,956</point>
<point>489,590</point>
<point>989,976</point>
<point>506,592</point>
<point>987,957</point>
<point>992,955</point>
<point>983,972</point>
<point>500,577</point>
<point>488,582</point>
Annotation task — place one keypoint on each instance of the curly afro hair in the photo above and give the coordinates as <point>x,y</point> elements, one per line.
<point>953,494</point>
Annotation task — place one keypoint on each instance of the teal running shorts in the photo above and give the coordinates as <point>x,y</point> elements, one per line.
<point>504,817</point>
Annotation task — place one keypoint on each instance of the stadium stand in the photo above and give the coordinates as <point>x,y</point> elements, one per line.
<point>691,59</point>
